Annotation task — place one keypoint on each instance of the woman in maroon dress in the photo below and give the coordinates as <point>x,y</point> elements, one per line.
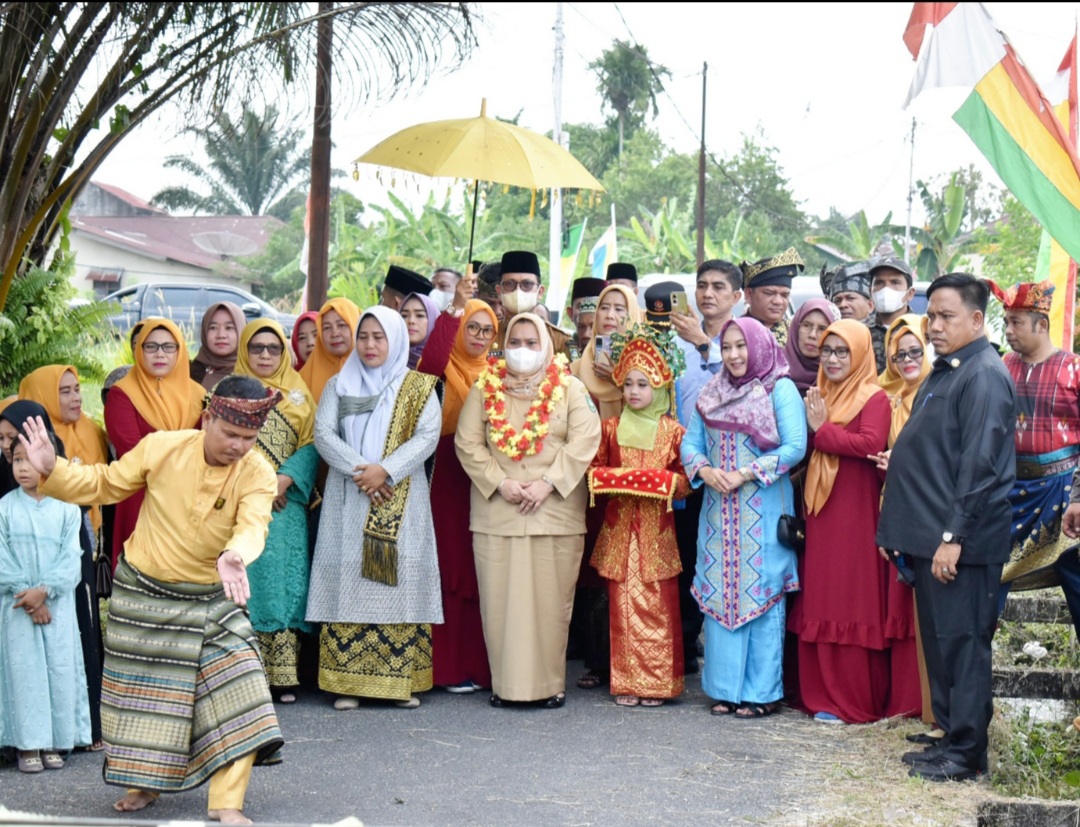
<point>157,394</point>
<point>840,614</point>
<point>457,350</point>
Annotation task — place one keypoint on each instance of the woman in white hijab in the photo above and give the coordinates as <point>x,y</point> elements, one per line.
<point>375,575</point>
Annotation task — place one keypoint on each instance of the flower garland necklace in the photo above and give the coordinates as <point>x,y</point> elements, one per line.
<point>531,439</point>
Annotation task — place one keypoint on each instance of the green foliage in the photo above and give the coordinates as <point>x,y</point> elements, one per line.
<point>983,200</point>
<point>941,245</point>
<point>252,162</point>
<point>665,242</point>
<point>38,328</point>
<point>1035,757</point>
<point>628,82</point>
<point>857,242</point>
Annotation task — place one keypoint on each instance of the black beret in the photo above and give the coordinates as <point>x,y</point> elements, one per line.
<point>581,288</point>
<point>658,301</point>
<point>521,261</point>
<point>406,281</point>
<point>622,270</point>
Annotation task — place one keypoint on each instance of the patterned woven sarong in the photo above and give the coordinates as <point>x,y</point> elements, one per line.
<point>184,692</point>
<point>1037,538</point>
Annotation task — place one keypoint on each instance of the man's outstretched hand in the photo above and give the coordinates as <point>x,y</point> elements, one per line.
<point>39,449</point>
<point>234,579</point>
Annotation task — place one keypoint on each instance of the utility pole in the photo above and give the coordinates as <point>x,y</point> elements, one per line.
<point>319,203</point>
<point>701,175</point>
<point>556,289</point>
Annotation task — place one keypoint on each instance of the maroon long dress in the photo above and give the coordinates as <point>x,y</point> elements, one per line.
<point>458,652</point>
<point>842,615</point>
<point>125,427</point>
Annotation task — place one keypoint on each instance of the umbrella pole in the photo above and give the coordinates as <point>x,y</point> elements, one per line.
<point>472,227</point>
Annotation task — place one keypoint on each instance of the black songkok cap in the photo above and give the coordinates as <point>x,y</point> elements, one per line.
<point>406,281</point>
<point>585,287</point>
<point>778,270</point>
<point>521,261</point>
<point>658,301</point>
<point>622,270</point>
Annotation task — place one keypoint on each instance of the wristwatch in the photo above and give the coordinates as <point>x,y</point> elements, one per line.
<point>703,348</point>
<point>949,537</point>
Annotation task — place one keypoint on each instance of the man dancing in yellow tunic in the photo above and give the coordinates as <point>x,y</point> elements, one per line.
<point>184,697</point>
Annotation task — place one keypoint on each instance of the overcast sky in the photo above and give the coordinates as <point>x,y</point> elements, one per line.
<point>823,82</point>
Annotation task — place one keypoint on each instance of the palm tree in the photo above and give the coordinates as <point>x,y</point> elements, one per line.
<point>629,83</point>
<point>253,161</point>
<point>78,77</point>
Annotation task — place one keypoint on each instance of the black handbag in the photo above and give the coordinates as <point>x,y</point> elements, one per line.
<point>790,529</point>
<point>103,575</point>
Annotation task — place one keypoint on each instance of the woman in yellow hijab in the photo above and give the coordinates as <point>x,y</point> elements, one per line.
<point>457,352</point>
<point>157,394</point>
<point>279,578</point>
<point>840,613</point>
<point>616,312</point>
<point>336,329</point>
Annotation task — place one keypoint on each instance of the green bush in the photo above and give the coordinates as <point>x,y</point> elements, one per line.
<point>38,327</point>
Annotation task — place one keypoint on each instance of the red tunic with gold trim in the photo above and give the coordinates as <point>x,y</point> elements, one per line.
<point>637,553</point>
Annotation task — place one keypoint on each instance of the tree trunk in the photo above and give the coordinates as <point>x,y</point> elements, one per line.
<point>319,224</point>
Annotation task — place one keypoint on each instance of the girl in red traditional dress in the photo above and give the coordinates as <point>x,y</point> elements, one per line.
<point>638,464</point>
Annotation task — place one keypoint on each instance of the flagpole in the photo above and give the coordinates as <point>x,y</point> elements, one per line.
<point>556,289</point>
<point>910,196</point>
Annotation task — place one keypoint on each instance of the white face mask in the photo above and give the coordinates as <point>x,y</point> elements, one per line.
<point>441,299</point>
<point>518,301</point>
<point>523,361</point>
<point>888,300</point>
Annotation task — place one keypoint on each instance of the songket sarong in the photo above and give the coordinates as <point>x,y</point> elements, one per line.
<point>368,660</point>
<point>184,692</point>
<point>646,633</point>
<point>1039,499</point>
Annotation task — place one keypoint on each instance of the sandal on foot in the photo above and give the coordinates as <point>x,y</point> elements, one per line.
<point>286,698</point>
<point>723,708</point>
<point>411,703</point>
<point>749,711</point>
<point>554,702</point>
<point>591,680</point>
<point>653,702</point>
<point>627,700</point>
<point>52,760</point>
<point>30,761</point>
<point>347,702</point>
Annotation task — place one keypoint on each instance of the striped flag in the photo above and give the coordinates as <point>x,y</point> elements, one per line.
<point>1053,262</point>
<point>604,252</point>
<point>1006,114</point>
<point>571,246</point>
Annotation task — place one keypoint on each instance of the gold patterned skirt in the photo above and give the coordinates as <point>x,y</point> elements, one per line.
<point>280,655</point>
<point>646,633</point>
<point>367,660</point>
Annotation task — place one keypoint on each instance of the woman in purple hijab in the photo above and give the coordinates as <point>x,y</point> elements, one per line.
<point>747,430</point>
<point>420,315</point>
<point>806,329</point>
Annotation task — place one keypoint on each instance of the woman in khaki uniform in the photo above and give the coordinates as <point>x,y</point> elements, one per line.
<point>526,435</point>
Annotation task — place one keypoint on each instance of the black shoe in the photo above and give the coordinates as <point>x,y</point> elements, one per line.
<point>943,769</point>
<point>554,702</point>
<point>923,738</point>
<point>495,700</point>
<point>924,756</point>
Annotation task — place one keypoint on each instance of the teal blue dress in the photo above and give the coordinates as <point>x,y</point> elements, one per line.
<point>43,698</point>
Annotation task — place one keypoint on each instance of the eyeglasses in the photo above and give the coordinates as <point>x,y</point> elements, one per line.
<point>473,329</point>
<point>164,347</point>
<point>523,286</point>
<point>914,354</point>
<point>813,329</point>
<point>839,352</point>
<point>256,349</point>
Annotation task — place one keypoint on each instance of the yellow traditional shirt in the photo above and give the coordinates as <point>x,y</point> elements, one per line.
<point>192,511</point>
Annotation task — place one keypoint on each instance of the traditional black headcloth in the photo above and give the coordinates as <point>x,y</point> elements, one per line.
<point>406,281</point>
<point>847,278</point>
<point>778,270</point>
<point>521,261</point>
<point>622,270</point>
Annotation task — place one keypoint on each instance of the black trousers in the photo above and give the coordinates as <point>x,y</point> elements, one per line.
<point>957,622</point>
<point>686,536</point>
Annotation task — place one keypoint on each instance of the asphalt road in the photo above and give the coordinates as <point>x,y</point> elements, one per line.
<point>456,760</point>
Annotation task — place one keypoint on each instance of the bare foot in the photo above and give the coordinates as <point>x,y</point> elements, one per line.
<point>228,817</point>
<point>136,800</point>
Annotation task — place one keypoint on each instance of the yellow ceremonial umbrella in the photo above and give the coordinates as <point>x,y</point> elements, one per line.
<point>481,149</point>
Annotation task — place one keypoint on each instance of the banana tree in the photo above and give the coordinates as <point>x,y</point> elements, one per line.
<point>940,245</point>
<point>859,243</point>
